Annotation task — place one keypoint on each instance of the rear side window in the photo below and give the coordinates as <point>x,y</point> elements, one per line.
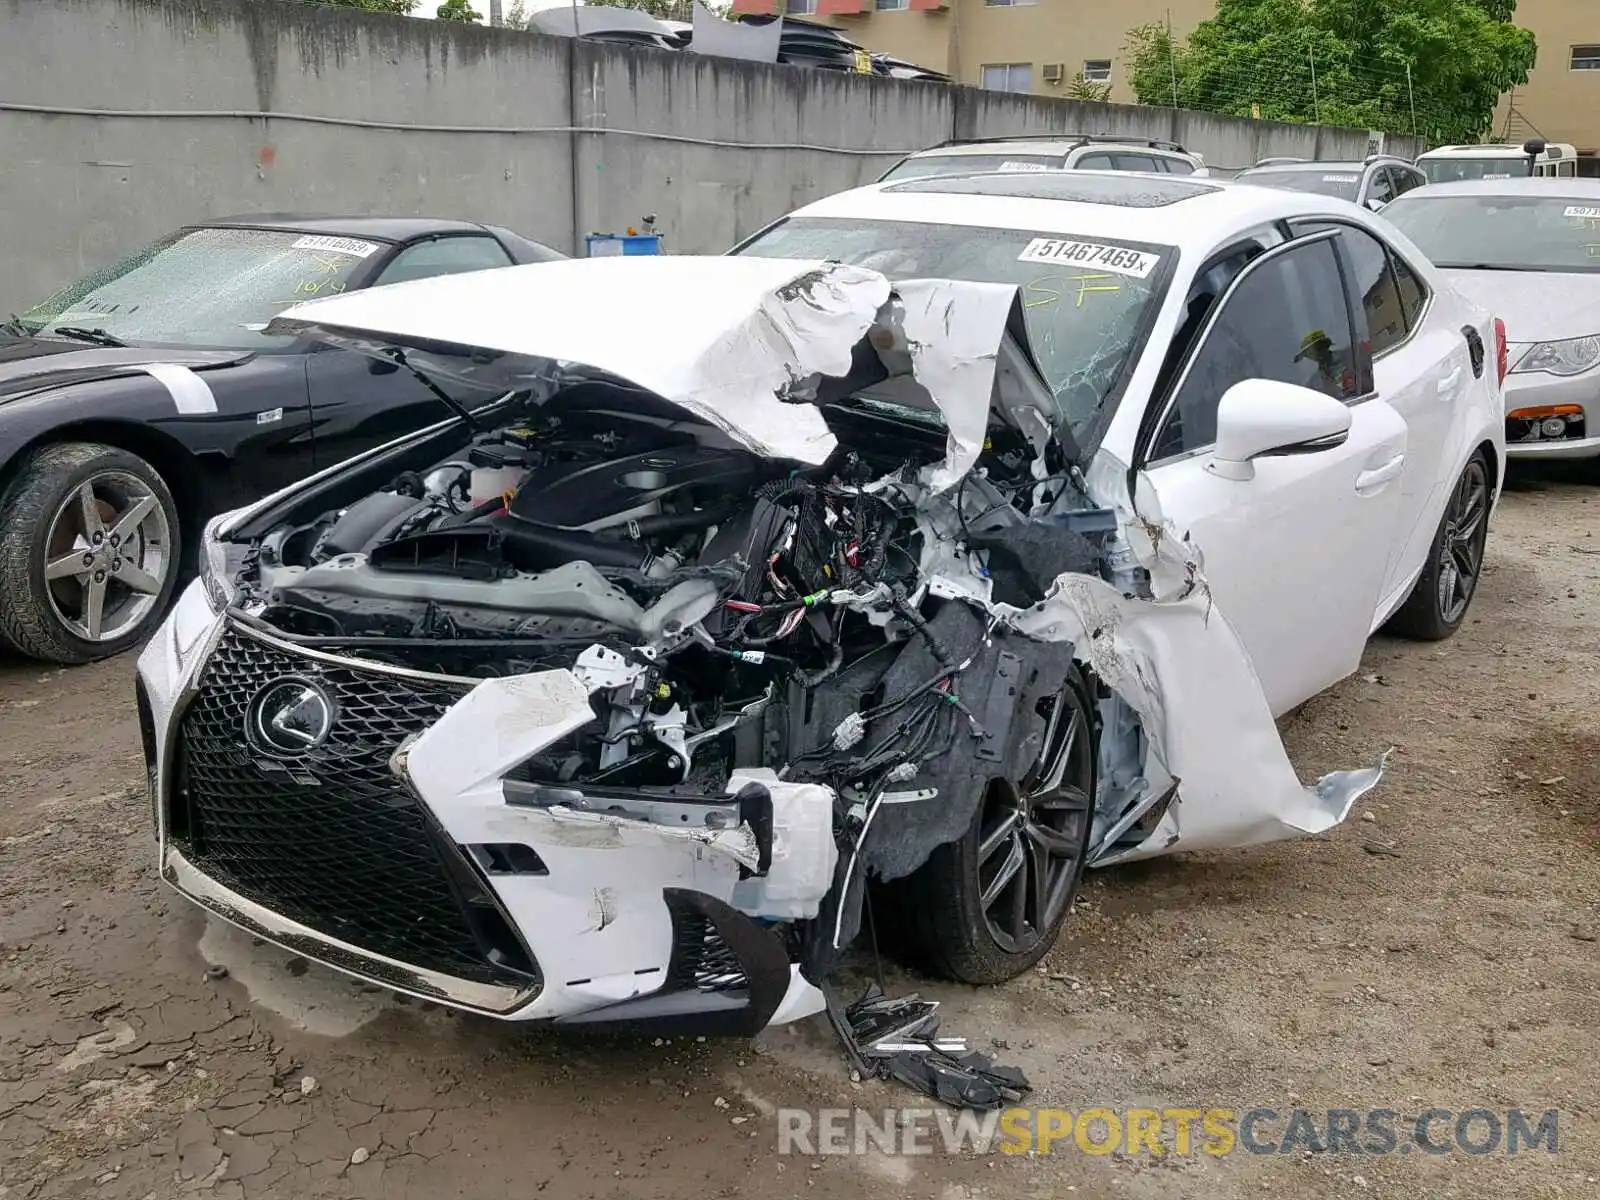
<point>1096,162</point>
<point>1393,295</point>
<point>1376,287</point>
<point>1178,166</point>
<point>1136,162</point>
<point>1413,292</point>
<point>1286,321</point>
<point>1380,188</point>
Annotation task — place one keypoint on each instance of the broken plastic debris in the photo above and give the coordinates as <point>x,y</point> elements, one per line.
<point>898,1039</point>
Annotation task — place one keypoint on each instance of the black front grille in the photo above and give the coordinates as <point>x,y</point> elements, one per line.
<point>331,838</point>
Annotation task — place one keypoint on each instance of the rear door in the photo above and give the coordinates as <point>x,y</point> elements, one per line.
<point>1295,557</point>
<point>1423,369</point>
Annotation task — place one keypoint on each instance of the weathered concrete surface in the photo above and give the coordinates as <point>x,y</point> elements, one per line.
<point>257,105</point>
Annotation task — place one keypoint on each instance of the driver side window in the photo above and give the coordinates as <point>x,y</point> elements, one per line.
<point>1288,321</point>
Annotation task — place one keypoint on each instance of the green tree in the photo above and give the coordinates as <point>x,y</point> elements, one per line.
<point>457,10</point>
<point>1437,67</point>
<point>398,7</point>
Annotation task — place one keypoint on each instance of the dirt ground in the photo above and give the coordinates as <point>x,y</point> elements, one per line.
<point>1441,953</point>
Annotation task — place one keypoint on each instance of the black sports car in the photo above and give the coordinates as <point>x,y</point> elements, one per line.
<point>146,397</point>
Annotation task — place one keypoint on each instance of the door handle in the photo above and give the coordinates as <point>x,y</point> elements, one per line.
<point>1369,482</point>
<point>1447,385</point>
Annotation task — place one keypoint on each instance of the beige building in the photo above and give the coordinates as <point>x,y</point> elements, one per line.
<point>1035,46</point>
<point>1039,46</point>
<point>1561,100</point>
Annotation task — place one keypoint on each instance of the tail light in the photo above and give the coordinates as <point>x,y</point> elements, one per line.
<point>1502,351</point>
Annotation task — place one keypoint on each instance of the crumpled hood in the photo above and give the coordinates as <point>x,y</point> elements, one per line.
<point>727,339</point>
<point>1537,306</point>
<point>30,365</point>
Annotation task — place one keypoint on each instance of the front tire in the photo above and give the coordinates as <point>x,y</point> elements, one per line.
<point>985,908</point>
<point>89,545</point>
<point>1438,603</point>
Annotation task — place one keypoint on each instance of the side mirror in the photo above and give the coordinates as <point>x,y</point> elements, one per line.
<point>1375,204</point>
<point>1261,418</point>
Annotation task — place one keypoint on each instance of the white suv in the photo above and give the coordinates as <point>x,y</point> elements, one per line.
<point>1049,152</point>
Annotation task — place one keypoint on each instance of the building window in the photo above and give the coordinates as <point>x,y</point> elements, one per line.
<point>1008,77</point>
<point>1007,3</point>
<point>1586,58</point>
<point>800,8</point>
<point>890,5</point>
<point>1097,70</point>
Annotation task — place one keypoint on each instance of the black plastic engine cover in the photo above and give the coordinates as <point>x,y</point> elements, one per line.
<point>577,495</point>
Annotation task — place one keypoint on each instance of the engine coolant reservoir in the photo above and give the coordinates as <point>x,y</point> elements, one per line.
<point>489,482</point>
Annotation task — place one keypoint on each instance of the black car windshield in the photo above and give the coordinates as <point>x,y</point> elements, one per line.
<point>1086,300</point>
<point>1324,181</point>
<point>206,288</point>
<point>972,164</point>
<point>1455,170</point>
<point>1508,233</point>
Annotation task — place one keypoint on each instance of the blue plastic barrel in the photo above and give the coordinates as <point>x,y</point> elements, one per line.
<point>607,244</point>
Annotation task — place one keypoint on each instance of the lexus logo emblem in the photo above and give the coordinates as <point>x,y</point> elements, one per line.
<point>291,716</point>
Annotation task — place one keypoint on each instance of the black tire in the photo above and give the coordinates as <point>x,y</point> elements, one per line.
<point>1443,593</point>
<point>35,611</point>
<point>934,919</point>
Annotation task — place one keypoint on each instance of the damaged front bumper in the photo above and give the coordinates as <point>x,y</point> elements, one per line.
<point>403,858</point>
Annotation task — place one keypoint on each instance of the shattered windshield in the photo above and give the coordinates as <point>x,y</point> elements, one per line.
<point>211,288</point>
<point>1086,301</point>
<point>1345,185</point>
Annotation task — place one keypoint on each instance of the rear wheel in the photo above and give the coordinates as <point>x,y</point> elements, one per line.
<point>88,553</point>
<point>1443,592</point>
<point>985,908</point>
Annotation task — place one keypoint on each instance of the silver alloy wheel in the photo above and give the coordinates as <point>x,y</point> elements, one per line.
<point>1032,832</point>
<point>107,556</point>
<point>1461,555</point>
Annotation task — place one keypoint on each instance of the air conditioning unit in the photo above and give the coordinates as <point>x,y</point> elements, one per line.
<point>1054,72</point>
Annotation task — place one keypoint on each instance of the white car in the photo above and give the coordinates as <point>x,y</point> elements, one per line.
<point>1536,158</point>
<point>764,583</point>
<point>1049,152</point>
<point>1530,247</point>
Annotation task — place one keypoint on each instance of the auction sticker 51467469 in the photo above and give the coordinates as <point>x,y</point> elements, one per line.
<point>1062,253</point>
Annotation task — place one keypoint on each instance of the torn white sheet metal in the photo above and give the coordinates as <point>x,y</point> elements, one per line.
<point>721,337</point>
<point>954,331</point>
<point>1180,665</point>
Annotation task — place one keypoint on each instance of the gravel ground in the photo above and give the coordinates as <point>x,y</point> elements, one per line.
<point>1441,953</point>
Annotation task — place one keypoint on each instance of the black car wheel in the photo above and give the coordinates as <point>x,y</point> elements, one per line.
<point>1443,592</point>
<point>88,553</point>
<point>985,908</point>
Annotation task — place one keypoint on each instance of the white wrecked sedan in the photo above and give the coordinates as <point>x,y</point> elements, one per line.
<point>765,587</point>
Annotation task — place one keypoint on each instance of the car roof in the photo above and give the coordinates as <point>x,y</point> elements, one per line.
<point>381,229</point>
<point>1487,150</point>
<point>1538,185</point>
<point>1115,204</point>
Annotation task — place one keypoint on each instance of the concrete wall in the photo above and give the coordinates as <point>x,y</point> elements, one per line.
<point>121,119</point>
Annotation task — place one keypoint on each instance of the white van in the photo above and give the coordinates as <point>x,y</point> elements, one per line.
<point>1448,164</point>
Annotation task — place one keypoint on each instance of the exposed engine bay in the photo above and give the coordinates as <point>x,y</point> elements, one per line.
<point>755,612</point>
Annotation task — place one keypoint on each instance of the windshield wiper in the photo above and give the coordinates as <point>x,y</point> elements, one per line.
<point>455,406</point>
<point>96,337</point>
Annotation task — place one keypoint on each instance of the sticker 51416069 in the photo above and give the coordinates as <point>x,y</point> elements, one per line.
<point>1091,255</point>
